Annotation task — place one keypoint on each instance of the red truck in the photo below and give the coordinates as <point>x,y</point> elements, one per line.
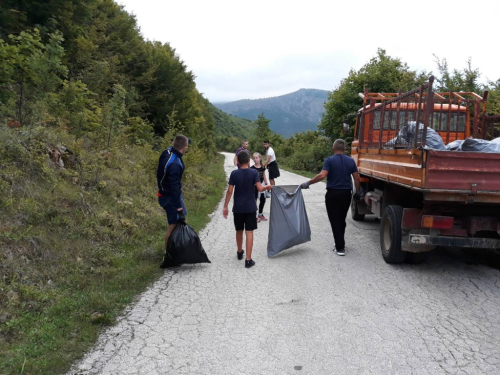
<point>426,196</point>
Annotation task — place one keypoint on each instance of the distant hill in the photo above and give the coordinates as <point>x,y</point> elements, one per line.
<point>289,114</point>
<point>227,125</point>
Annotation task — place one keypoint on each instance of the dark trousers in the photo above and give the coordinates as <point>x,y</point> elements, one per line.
<point>337,204</point>
<point>262,200</point>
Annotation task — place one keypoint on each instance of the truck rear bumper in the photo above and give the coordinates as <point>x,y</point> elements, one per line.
<point>479,243</point>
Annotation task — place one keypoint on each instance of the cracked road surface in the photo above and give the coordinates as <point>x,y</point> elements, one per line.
<point>309,311</point>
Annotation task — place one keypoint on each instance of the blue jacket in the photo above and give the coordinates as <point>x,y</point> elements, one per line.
<point>169,175</point>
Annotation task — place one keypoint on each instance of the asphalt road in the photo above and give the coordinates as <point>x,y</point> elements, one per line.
<point>309,311</point>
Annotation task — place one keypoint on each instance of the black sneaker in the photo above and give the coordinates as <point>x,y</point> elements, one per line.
<point>240,254</point>
<point>340,252</point>
<point>249,263</point>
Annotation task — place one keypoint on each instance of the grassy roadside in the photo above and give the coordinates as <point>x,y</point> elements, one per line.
<point>300,173</point>
<point>76,246</point>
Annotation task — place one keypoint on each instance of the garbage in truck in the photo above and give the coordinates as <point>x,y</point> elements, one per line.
<point>480,145</point>
<point>455,145</point>
<point>288,222</point>
<point>434,141</point>
<point>406,137</point>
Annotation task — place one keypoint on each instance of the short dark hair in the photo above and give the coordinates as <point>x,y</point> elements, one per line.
<point>266,141</point>
<point>339,145</point>
<point>180,141</point>
<point>243,158</point>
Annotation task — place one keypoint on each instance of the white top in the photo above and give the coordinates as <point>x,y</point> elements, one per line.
<point>270,152</point>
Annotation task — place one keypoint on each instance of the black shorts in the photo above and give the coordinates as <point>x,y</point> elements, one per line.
<point>274,171</point>
<point>245,221</point>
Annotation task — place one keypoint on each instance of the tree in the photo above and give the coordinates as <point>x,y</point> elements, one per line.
<point>494,98</point>
<point>31,71</point>
<point>263,131</point>
<point>305,151</point>
<point>381,74</point>
<point>466,80</point>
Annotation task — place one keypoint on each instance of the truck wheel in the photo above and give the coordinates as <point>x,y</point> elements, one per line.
<point>356,216</point>
<point>390,235</point>
<point>415,258</point>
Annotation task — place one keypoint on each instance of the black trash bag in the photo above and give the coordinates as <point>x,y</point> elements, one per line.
<point>184,246</point>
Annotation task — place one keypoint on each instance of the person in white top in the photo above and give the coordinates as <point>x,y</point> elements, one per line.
<point>271,163</point>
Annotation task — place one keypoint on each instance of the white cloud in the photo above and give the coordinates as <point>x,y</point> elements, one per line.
<point>257,49</point>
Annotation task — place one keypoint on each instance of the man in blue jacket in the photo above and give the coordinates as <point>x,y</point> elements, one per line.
<point>169,177</point>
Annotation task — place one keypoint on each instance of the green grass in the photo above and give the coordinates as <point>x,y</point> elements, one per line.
<point>77,245</point>
<point>301,173</point>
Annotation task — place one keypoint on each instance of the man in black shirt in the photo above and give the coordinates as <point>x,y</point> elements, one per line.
<point>338,170</point>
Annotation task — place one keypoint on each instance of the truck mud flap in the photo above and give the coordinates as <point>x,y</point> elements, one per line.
<point>478,243</point>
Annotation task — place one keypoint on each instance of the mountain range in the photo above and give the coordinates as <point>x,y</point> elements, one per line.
<point>291,113</point>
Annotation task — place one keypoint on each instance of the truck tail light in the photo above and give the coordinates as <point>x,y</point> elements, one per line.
<point>440,222</point>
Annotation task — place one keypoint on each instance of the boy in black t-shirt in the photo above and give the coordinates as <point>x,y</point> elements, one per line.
<point>243,181</point>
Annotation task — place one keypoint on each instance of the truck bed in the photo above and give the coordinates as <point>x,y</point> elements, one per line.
<point>441,175</point>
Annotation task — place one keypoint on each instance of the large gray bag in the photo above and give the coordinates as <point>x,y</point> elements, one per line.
<point>289,225</point>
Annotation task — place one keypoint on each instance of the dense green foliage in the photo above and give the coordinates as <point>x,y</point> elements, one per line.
<point>86,106</point>
<point>466,80</point>
<point>230,130</point>
<point>305,151</point>
<point>381,74</point>
<point>62,55</point>
<point>263,133</point>
<point>494,98</point>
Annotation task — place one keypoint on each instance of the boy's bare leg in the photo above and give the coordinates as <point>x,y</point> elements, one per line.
<point>168,261</point>
<point>249,242</point>
<point>170,229</point>
<point>239,240</point>
<point>272,182</point>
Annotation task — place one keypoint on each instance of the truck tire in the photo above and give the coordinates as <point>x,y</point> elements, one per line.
<point>390,235</point>
<point>356,216</point>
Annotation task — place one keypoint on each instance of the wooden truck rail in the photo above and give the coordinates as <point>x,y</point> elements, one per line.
<point>426,197</point>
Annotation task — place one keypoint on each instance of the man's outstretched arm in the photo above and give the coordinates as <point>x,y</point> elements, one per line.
<point>319,177</point>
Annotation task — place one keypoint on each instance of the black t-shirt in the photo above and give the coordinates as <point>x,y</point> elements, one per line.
<point>261,171</point>
<point>244,180</point>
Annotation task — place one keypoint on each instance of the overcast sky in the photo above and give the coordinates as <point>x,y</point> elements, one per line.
<point>258,49</point>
